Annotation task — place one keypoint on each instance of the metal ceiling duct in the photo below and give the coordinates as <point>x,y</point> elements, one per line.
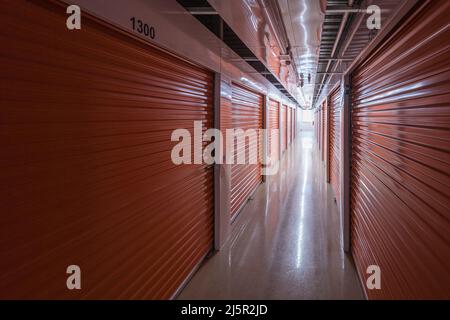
<point>320,38</point>
<point>255,24</point>
<point>303,20</point>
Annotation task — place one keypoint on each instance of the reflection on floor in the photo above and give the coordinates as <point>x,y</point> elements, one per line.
<point>285,243</point>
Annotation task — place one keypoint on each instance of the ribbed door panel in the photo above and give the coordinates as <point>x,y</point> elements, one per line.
<point>283,128</point>
<point>247,113</point>
<point>334,150</point>
<point>86,170</point>
<point>274,124</point>
<point>288,125</point>
<point>400,191</point>
<point>324,128</point>
<point>319,121</point>
<point>319,136</point>
<point>292,124</point>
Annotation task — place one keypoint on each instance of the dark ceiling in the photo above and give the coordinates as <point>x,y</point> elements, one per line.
<point>202,10</point>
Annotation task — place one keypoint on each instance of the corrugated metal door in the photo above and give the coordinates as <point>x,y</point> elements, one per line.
<point>247,113</point>
<point>291,122</point>
<point>319,121</point>
<point>283,128</point>
<point>334,150</point>
<point>86,171</point>
<point>274,124</point>
<point>289,125</point>
<point>319,116</point>
<point>400,191</point>
<point>316,117</point>
<point>324,128</point>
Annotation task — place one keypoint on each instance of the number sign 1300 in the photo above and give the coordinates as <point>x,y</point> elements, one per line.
<point>142,28</point>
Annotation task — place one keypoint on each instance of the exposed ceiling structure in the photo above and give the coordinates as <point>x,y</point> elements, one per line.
<point>303,20</point>
<point>206,14</point>
<point>335,23</point>
<point>344,36</point>
<point>327,36</point>
<point>323,38</point>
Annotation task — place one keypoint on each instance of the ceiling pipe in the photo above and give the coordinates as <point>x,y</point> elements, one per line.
<point>274,24</point>
<point>277,25</point>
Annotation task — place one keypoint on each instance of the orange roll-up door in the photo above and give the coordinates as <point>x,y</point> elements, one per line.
<point>247,113</point>
<point>288,125</point>
<point>334,150</point>
<point>400,190</point>
<point>319,115</point>
<point>86,172</point>
<point>274,124</point>
<point>293,124</point>
<point>324,129</point>
<point>283,128</point>
<point>319,122</point>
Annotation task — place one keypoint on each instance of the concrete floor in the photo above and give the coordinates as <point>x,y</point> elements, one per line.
<point>285,243</point>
